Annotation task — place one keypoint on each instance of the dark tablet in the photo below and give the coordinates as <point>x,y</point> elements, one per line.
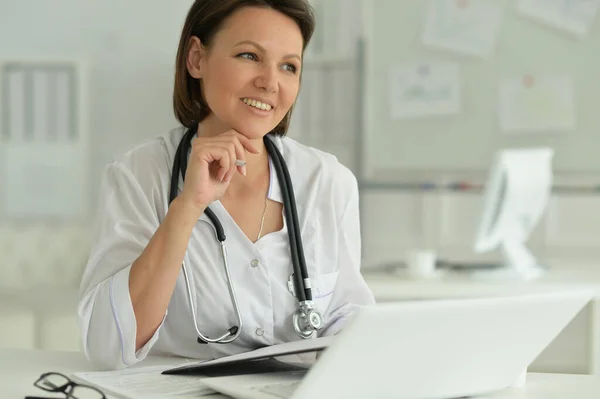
<point>262,360</point>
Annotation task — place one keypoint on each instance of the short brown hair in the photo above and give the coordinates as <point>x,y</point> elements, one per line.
<point>204,20</point>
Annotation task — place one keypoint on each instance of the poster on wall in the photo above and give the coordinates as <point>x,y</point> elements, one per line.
<point>572,16</point>
<point>425,89</point>
<point>540,104</point>
<point>464,26</point>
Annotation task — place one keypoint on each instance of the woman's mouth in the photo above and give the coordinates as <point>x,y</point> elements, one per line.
<point>257,104</point>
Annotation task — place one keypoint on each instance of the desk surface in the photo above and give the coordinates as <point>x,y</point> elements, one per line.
<point>20,368</point>
<point>400,286</point>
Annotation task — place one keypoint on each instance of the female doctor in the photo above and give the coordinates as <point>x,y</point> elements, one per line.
<point>160,278</point>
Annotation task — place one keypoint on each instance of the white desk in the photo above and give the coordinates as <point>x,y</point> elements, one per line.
<point>20,368</point>
<point>399,286</point>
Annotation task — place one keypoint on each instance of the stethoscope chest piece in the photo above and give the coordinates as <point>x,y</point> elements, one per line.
<point>307,320</point>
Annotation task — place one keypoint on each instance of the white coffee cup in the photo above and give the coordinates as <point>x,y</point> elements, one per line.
<point>420,263</point>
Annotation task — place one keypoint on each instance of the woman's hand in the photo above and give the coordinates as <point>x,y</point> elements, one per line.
<point>211,165</point>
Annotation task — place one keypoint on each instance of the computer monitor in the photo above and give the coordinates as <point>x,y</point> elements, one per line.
<point>515,197</point>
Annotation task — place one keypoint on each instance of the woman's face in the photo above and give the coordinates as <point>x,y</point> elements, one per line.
<point>251,73</point>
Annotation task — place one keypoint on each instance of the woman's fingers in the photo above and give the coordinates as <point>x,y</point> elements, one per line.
<point>224,154</point>
<point>240,156</point>
<point>229,150</point>
<point>232,165</point>
<point>241,165</point>
<point>242,144</point>
<point>221,155</point>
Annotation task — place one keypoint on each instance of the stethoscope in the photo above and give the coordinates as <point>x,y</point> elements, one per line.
<point>306,319</point>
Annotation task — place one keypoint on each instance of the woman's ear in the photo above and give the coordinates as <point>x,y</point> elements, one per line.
<point>195,57</point>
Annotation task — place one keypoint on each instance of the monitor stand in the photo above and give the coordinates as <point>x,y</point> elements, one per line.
<point>520,265</point>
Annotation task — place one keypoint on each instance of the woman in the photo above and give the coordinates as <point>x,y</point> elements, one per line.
<point>237,78</point>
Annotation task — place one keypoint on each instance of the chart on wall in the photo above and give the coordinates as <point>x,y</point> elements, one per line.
<point>464,26</point>
<point>537,104</point>
<point>424,89</point>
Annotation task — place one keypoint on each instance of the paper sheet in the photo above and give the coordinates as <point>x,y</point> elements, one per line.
<point>573,16</point>
<point>145,382</point>
<point>465,26</point>
<point>424,89</point>
<point>537,103</point>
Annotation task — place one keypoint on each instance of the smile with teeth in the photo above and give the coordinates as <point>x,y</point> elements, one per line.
<point>256,104</point>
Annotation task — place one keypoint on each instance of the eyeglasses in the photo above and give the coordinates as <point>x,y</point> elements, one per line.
<point>59,383</point>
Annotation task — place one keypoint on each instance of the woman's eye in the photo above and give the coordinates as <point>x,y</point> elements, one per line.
<point>290,68</point>
<point>250,56</point>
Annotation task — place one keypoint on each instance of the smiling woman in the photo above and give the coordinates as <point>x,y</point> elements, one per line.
<point>247,68</point>
<point>229,169</point>
<point>270,34</point>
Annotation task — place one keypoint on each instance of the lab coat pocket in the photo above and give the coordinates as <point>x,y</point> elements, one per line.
<point>322,290</point>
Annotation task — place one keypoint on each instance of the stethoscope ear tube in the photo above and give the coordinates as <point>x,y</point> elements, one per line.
<point>291,213</point>
<point>177,164</point>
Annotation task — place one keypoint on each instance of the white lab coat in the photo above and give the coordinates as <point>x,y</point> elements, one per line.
<point>133,202</point>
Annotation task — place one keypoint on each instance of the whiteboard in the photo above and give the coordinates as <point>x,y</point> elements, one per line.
<point>525,51</point>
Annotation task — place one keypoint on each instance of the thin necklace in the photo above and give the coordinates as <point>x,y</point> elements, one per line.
<point>262,219</point>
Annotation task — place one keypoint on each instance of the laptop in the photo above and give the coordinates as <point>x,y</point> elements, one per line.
<point>436,349</point>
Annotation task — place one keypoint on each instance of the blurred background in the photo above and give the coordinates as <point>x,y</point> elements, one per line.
<point>415,96</point>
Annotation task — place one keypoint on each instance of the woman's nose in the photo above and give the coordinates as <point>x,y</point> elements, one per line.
<point>267,80</point>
